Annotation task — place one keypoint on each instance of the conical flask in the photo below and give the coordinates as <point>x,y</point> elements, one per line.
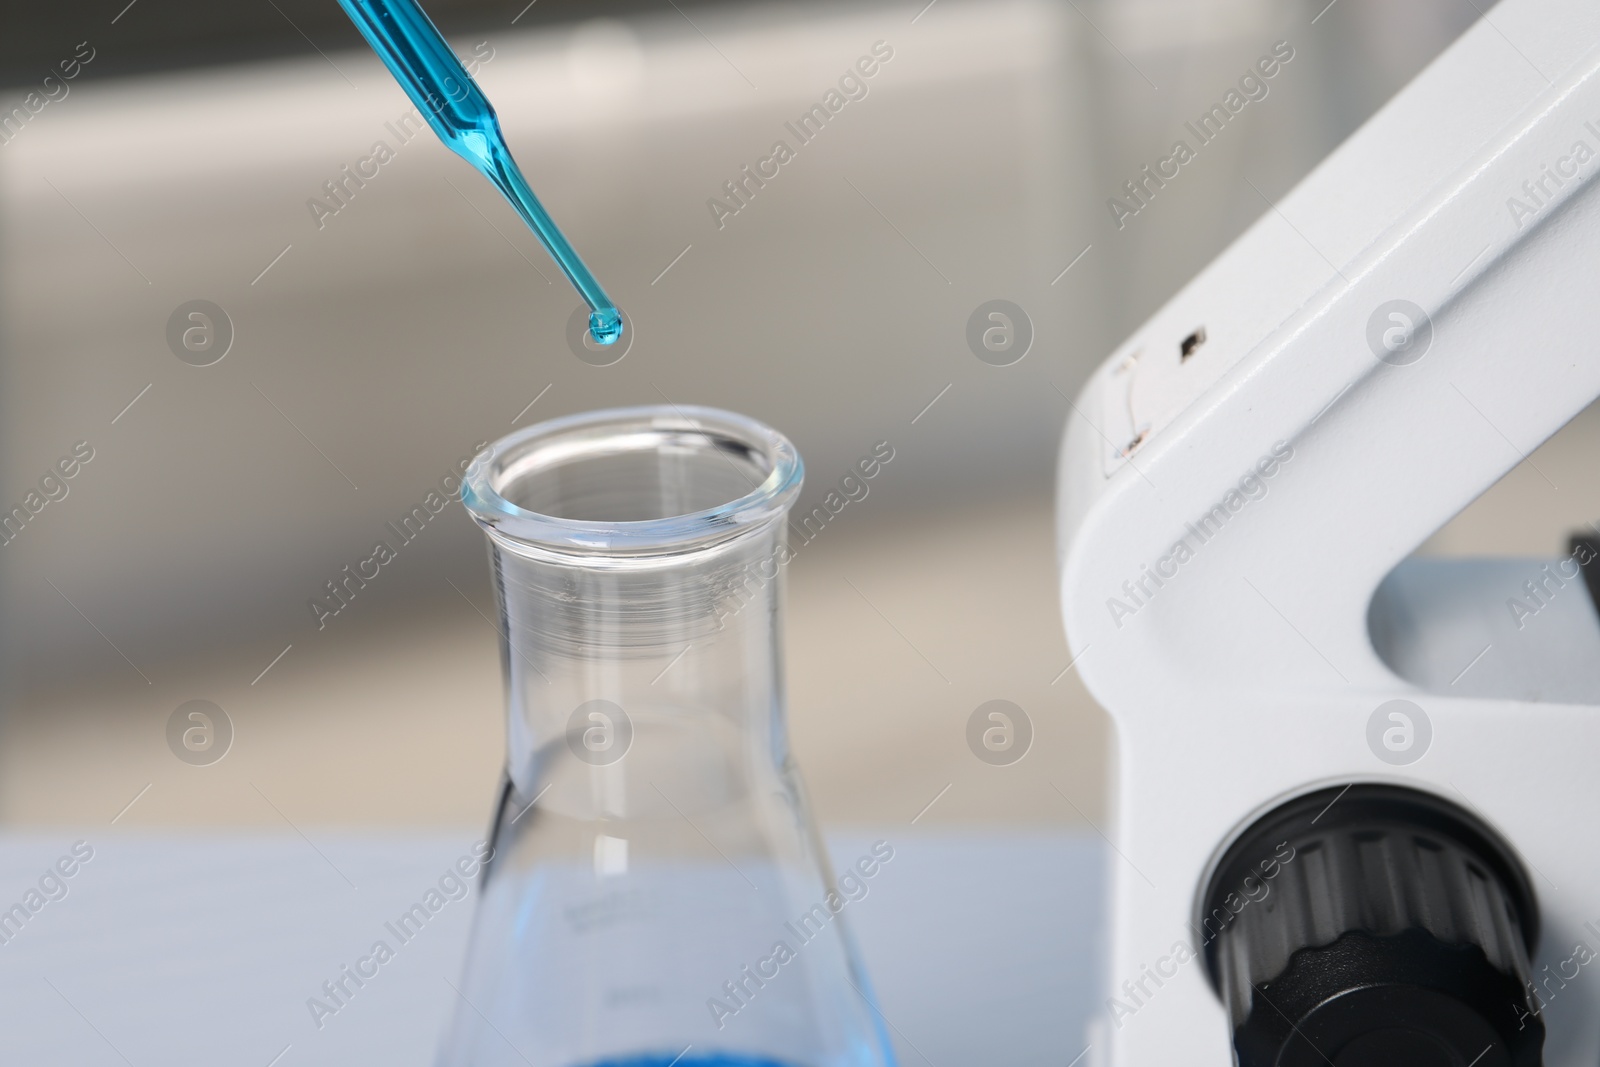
<point>656,894</point>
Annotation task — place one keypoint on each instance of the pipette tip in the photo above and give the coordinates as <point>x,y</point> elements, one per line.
<point>605,326</point>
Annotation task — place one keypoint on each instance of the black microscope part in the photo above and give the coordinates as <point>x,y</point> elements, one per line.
<point>1373,926</point>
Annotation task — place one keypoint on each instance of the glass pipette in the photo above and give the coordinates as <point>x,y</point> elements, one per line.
<point>416,54</point>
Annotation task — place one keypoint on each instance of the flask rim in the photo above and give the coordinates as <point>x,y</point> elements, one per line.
<point>546,446</point>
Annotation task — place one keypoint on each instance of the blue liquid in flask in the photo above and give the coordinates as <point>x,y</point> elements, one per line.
<point>420,60</point>
<point>714,1060</point>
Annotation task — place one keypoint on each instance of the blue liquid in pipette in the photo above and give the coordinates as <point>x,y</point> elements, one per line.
<point>420,60</point>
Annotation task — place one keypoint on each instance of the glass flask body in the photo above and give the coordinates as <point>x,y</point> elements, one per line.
<point>656,892</point>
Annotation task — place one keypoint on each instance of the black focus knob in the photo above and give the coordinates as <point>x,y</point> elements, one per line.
<point>1373,926</point>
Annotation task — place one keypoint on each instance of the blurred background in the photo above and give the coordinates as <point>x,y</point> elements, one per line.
<point>372,347</point>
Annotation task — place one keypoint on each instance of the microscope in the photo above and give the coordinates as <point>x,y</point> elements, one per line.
<point>1357,803</point>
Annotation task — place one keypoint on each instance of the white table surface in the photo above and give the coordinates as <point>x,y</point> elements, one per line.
<point>201,949</point>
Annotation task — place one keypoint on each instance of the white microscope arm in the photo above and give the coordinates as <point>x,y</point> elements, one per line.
<point>1381,346</point>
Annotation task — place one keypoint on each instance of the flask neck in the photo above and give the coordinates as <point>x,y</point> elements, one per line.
<point>638,557</point>
<point>595,654</point>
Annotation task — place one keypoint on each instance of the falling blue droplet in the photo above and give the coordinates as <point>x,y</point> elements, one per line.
<point>605,326</point>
